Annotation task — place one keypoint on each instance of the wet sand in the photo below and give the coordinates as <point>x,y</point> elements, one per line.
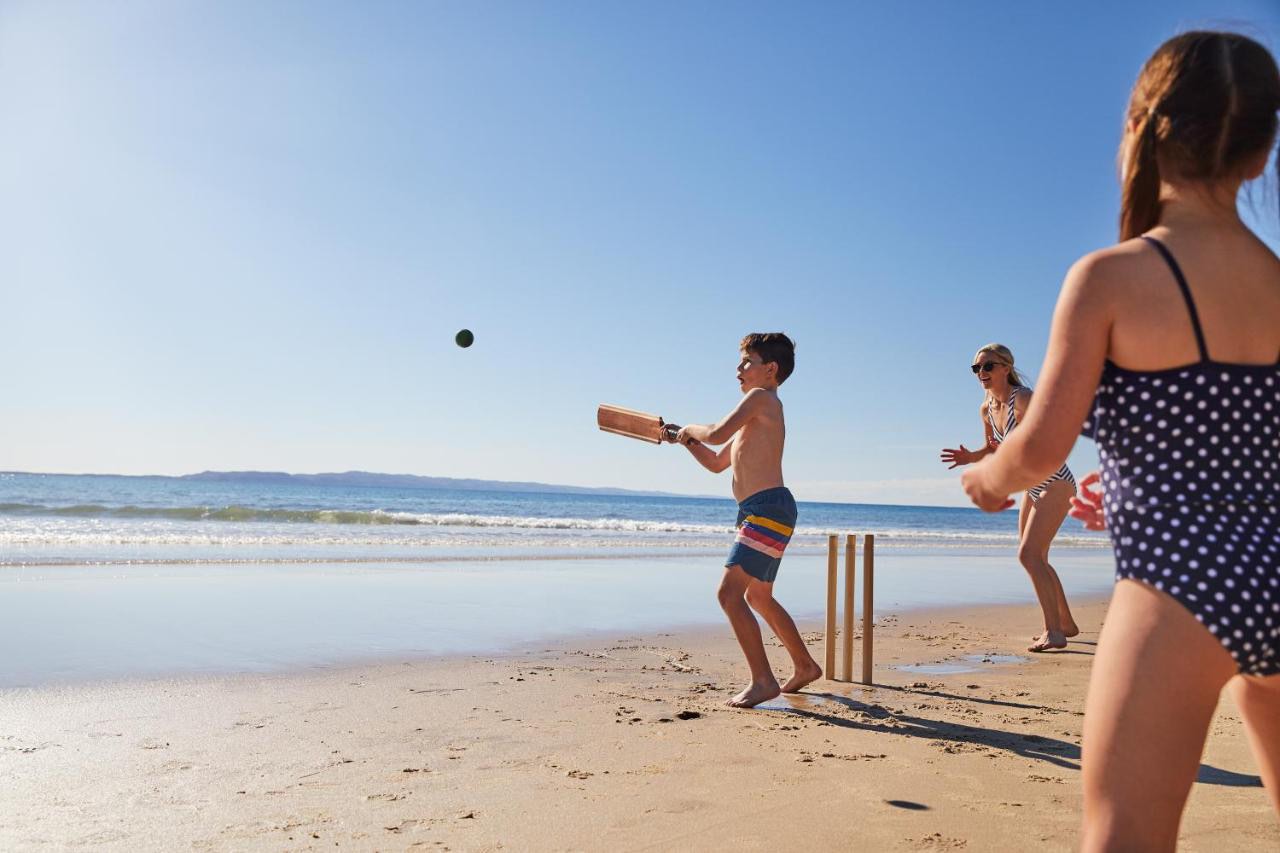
<point>101,622</point>
<point>618,744</point>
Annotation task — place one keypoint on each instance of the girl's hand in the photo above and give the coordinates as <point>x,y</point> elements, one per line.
<point>974,484</point>
<point>956,456</point>
<point>1087,505</point>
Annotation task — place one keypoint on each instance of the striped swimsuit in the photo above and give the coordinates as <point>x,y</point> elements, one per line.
<point>1063,473</point>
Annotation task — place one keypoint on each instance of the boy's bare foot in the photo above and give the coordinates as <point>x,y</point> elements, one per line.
<point>754,695</point>
<point>805,675</point>
<point>1048,640</point>
<point>1069,628</point>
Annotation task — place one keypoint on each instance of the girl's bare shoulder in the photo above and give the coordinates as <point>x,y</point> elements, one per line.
<point>1106,270</point>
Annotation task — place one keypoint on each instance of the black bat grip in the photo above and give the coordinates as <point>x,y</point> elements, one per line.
<point>669,432</point>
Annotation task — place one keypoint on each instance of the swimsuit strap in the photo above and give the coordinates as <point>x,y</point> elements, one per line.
<point>1186,293</point>
<point>1011,419</point>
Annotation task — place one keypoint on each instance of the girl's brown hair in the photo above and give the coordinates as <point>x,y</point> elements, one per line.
<point>1204,107</point>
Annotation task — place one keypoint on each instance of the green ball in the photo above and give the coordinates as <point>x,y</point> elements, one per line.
<point>464,338</point>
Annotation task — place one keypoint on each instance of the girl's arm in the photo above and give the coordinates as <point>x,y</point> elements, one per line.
<point>1078,343</point>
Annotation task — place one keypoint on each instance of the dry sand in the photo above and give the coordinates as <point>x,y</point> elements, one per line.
<point>606,744</point>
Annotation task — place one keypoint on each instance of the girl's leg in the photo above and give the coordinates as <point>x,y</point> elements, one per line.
<point>1043,518</point>
<point>1152,694</point>
<point>760,597</point>
<point>1259,703</point>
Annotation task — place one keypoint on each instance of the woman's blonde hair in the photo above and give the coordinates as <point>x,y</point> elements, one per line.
<point>1006,357</point>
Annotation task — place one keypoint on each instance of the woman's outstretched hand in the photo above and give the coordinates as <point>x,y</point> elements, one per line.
<point>1087,505</point>
<point>956,456</point>
<point>974,484</point>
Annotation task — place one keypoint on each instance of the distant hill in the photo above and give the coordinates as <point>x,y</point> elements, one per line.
<point>411,481</point>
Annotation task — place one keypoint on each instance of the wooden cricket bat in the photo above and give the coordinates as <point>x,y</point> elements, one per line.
<point>633,424</point>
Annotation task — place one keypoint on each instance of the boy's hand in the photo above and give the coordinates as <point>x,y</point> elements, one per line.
<point>683,437</point>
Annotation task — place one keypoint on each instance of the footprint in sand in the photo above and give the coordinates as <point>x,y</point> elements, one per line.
<point>409,825</point>
<point>25,750</point>
<point>938,841</point>
<point>1053,779</point>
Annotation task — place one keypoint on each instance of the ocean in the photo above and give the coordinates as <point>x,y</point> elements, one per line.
<point>52,519</point>
<point>105,577</point>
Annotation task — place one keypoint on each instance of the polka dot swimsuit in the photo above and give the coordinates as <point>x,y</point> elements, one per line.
<point>1191,470</point>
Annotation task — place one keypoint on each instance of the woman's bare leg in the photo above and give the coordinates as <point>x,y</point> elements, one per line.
<point>1069,627</point>
<point>1152,694</point>
<point>1043,518</point>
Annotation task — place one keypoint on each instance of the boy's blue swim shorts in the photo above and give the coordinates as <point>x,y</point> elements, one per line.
<point>765,522</point>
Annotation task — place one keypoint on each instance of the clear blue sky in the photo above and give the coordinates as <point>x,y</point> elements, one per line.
<point>243,235</point>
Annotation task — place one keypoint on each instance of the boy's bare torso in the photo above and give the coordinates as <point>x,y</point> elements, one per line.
<point>756,456</point>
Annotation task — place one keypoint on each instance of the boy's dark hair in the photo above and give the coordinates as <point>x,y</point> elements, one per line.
<point>772,346</point>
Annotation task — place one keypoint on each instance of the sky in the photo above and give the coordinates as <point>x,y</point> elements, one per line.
<point>243,235</point>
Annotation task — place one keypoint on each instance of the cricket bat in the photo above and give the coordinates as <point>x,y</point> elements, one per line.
<point>633,424</point>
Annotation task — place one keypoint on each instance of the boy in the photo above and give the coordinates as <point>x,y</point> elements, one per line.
<point>752,435</point>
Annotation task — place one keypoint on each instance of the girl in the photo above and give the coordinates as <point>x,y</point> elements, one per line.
<point>1168,342</point>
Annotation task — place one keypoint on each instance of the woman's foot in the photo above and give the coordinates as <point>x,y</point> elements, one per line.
<point>755,694</point>
<point>805,675</point>
<point>1047,641</point>
<point>1065,619</point>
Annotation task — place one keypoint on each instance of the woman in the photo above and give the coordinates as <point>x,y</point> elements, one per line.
<point>1168,343</point>
<point>1044,506</point>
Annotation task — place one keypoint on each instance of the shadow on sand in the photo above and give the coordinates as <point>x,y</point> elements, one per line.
<point>1061,753</point>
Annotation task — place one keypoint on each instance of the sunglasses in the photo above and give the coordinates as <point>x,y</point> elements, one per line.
<point>984,367</point>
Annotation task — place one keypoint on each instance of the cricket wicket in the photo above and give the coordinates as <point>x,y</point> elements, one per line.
<point>868,605</point>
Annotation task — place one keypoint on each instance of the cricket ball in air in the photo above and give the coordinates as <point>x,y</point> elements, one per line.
<point>464,338</point>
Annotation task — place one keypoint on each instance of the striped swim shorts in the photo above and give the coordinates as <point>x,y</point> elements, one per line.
<point>765,522</point>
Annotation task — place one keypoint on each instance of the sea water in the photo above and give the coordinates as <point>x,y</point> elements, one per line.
<point>105,576</point>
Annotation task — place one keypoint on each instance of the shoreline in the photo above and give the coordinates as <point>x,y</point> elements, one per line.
<point>675,550</point>
<point>595,743</point>
<point>486,555</point>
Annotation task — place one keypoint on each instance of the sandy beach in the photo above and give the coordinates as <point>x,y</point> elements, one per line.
<point>620,744</point>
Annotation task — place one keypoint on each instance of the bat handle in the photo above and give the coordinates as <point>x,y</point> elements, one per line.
<point>669,432</point>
